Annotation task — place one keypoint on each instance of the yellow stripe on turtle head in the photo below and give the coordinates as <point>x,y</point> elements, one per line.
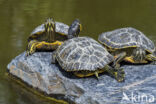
<point>80,27</point>
<point>51,29</point>
<point>48,29</point>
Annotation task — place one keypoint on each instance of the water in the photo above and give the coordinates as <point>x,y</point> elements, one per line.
<point>19,17</point>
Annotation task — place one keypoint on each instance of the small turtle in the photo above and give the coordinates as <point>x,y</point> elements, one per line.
<point>49,36</point>
<point>129,44</point>
<point>85,57</point>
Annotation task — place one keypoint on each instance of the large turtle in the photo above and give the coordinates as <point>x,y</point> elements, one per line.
<point>49,36</point>
<point>129,44</point>
<point>85,57</point>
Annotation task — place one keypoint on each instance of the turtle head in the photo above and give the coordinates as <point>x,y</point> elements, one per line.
<point>74,29</point>
<point>50,29</point>
<point>49,25</point>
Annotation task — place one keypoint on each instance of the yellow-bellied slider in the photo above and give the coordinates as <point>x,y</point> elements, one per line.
<point>85,57</point>
<point>129,43</point>
<point>51,34</point>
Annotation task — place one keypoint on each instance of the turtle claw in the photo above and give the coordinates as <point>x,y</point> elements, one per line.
<point>31,48</point>
<point>27,54</point>
<point>119,74</point>
<point>96,74</point>
<point>31,51</point>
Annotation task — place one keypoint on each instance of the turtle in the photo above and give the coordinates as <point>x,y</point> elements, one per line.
<point>130,45</point>
<point>84,56</point>
<point>51,34</point>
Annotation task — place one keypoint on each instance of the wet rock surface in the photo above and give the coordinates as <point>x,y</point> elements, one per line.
<point>36,70</point>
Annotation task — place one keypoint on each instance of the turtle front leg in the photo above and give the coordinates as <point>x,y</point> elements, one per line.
<point>48,46</point>
<point>118,74</point>
<point>139,54</point>
<point>118,59</point>
<point>33,45</point>
<point>31,48</point>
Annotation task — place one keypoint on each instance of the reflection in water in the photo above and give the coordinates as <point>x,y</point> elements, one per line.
<point>13,93</point>
<point>19,17</point>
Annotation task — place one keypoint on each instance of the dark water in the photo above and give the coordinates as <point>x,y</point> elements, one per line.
<point>19,17</point>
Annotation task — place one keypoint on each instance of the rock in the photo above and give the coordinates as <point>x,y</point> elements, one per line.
<point>37,71</point>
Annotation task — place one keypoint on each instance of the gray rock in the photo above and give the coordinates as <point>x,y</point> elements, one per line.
<point>36,70</point>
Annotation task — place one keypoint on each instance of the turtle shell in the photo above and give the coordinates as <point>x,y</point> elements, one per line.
<point>61,28</point>
<point>126,37</point>
<point>82,53</point>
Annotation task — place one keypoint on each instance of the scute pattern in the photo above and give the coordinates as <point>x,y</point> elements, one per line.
<point>62,28</point>
<point>126,37</point>
<point>85,54</point>
<point>147,44</point>
<point>38,29</point>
